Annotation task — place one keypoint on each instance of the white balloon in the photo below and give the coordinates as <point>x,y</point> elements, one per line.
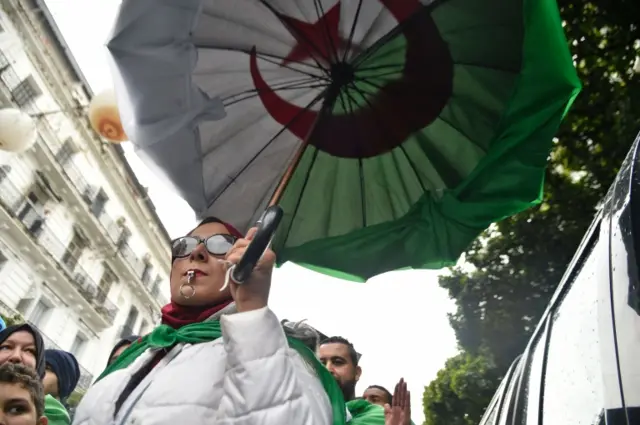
<point>18,130</point>
<point>104,117</point>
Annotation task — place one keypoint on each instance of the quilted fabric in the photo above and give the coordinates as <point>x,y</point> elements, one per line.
<point>250,376</point>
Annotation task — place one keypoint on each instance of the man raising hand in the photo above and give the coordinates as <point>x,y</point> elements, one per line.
<point>399,411</point>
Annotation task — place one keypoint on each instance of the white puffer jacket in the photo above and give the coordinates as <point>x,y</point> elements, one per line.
<point>249,376</point>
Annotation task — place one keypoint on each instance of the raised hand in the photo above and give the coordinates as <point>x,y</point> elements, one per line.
<point>399,412</point>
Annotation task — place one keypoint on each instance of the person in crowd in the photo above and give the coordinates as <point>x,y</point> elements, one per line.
<point>122,345</point>
<point>220,355</point>
<point>398,412</point>
<point>377,394</point>
<point>61,377</point>
<point>62,374</point>
<point>23,344</point>
<point>21,396</point>
<point>341,359</point>
<point>339,356</point>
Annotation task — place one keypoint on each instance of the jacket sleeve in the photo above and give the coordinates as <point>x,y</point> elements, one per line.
<point>265,381</point>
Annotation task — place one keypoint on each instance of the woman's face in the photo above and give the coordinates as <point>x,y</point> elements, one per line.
<point>20,347</point>
<point>209,272</point>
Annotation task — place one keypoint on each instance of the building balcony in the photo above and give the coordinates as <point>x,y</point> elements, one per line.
<point>87,200</point>
<point>109,231</point>
<point>86,378</point>
<point>49,255</point>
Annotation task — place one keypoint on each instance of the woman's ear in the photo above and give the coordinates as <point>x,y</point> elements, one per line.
<point>43,420</point>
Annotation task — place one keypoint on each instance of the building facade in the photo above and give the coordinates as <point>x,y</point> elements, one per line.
<point>83,254</point>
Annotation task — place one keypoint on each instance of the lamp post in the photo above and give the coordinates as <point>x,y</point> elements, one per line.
<point>18,131</point>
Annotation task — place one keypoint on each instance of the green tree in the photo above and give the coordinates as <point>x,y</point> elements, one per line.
<point>516,267</point>
<point>12,320</point>
<point>464,376</point>
<point>75,398</point>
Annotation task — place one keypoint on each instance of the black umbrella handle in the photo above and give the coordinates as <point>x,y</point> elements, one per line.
<point>267,226</point>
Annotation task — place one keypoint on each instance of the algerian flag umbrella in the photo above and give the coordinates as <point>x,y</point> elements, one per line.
<point>391,132</point>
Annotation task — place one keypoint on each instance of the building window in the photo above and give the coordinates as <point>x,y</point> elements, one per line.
<point>24,305</point>
<point>143,327</point>
<point>132,318</point>
<point>66,152</point>
<point>5,169</point>
<point>99,203</point>
<point>40,313</point>
<point>26,92</point>
<point>106,282</point>
<point>146,274</point>
<point>32,212</point>
<point>79,345</point>
<point>74,250</point>
<point>3,260</point>
<point>31,204</point>
<point>155,286</point>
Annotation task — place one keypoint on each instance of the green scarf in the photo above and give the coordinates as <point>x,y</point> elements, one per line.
<point>166,337</point>
<point>365,413</point>
<point>55,412</point>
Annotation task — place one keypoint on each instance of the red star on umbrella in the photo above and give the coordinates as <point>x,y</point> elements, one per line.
<point>320,40</point>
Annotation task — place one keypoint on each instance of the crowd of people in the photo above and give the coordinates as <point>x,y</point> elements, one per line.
<point>57,372</point>
<point>220,356</point>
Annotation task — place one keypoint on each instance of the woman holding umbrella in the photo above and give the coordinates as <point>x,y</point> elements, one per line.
<point>391,133</point>
<point>220,356</point>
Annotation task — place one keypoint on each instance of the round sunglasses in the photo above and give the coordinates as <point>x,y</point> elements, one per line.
<point>215,245</point>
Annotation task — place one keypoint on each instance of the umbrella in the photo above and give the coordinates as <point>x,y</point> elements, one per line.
<point>391,132</point>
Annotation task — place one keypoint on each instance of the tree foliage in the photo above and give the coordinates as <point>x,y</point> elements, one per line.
<point>518,264</point>
<point>464,376</point>
<point>12,320</point>
<point>75,398</point>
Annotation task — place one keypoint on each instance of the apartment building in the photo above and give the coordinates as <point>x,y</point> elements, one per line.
<point>83,254</point>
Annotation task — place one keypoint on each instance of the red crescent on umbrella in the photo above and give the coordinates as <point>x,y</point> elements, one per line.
<point>395,112</point>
